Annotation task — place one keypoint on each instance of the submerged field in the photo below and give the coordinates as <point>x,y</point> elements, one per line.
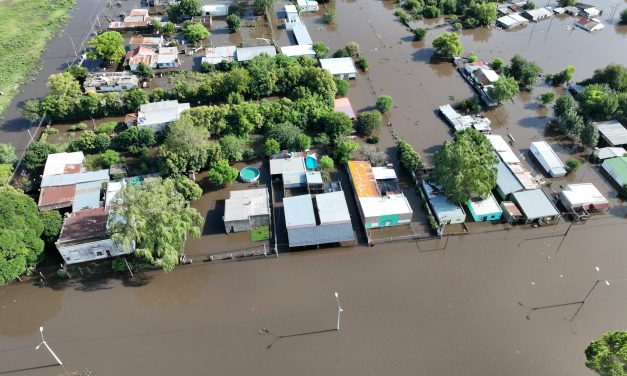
<point>27,25</point>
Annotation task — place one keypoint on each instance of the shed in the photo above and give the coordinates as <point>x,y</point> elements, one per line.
<point>538,14</point>
<point>149,42</point>
<point>87,195</point>
<point>506,181</point>
<point>460,122</point>
<point>545,155</point>
<point>301,34</point>
<point>246,209</point>
<point>511,213</point>
<point>612,132</point>
<point>589,12</point>
<point>511,21</point>
<point>341,67</point>
<point>307,5</point>
<point>63,163</point>
<point>589,25</point>
<point>487,209</point>
<point>215,55</point>
<point>616,168</point>
<point>157,115</point>
<point>583,196</point>
<point>444,210</point>
<point>609,152</point>
<point>215,10</point>
<point>280,166</point>
<point>299,50</point>
<point>535,206</point>
<point>249,53</point>
<point>344,105</point>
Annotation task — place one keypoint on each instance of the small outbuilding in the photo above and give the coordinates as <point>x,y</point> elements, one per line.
<point>487,209</point>
<point>608,152</point>
<point>538,14</point>
<point>299,50</point>
<point>511,213</point>
<point>583,196</point>
<point>445,211</point>
<point>612,132</point>
<point>616,168</point>
<point>246,209</point>
<point>506,181</point>
<point>344,105</point>
<point>307,5</point>
<point>249,53</point>
<point>535,206</point>
<point>511,21</point>
<point>216,55</point>
<point>461,122</point>
<point>589,24</point>
<point>547,158</point>
<point>157,115</point>
<point>341,67</point>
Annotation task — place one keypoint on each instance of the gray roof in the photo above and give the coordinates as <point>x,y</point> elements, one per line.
<point>68,179</point>
<point>442,206</point>
<point>339,65</point>
<point>613,132</point>
<point>283,165</point>
<point>299,211</point>
<point>241,205</point>
<point>506,180</point>
<point>87,195</point>
<point>332,208</point>
<point>314,177</point>
<point>301,34</point>
<point>160,112</point>
<point>249,53</point>
<point>535,204</point>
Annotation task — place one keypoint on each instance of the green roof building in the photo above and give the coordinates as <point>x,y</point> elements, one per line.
<point>616,168</point>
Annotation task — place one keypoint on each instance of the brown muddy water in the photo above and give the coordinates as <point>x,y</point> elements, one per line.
<point>457,306</point>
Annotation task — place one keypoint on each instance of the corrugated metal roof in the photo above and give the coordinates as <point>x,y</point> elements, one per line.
<point>241,205</point>
<point>299,211</point>
<point>323,234</point>
<point>443,207</point>
<point>576,195</point>
<point>332,208</point>
<point>613,132</point>
<point>57,197</point>
<point>249,53</point>
<point>611,152</point>
<point>339,65</point>
<point>160,112</point>
<point>68,179</point>
<point>488,205</point>
<point>547,158</point>
<point>344,105</point>
<point>283,165</point>
<point>505,179</point>
<point>300,50</point>
<point>87,195</point>
<point>301,34</point>
<point>363,179</point>
<point>217,55</point>
<point>84,224</point>
<point>56,163</point>
<point>535,204</point>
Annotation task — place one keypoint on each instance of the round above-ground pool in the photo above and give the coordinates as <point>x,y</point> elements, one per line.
<point>249,174</point>
<point>311,163</point>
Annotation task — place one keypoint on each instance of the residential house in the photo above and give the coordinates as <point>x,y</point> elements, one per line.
<point>301,34</point>
<point>249,53</point>
<point>612,132</point>
<point>215,10</point>
<point>380,200</point>
<point>589,24</point>
<point>291,16</point>
<point>137,19</point>
<point>481,77</point>
<point>318,219</point>
<point>84,237</point>
<point>299,50</point>
<point>307,5</point>
<point>587,11</point>
<point>506,181</point>
<point>168,57</point>
<point>511,21</point>
<point>149,42</point>
<point>487,209</point>
<point>583,196</point>
<point>216,55</point>
<point>461,122</point>
<point>602,154</point>
<point>537,14</point>
<point>341,67</point>
<point>158,115</point>
<point>511,213</point>
<point>535,206</point>
<point>444,210</point>
<point>511,161</point>
<point>100,82</point>
<point>616,168</point>
<point>246,209</point>
<point>547,158</point>
<point>344,105</point>
<point>144,55</point>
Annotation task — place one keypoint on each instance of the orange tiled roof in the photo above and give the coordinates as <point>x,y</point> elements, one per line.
<point>363,179</point>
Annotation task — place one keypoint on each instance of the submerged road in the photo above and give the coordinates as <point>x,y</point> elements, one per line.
<point>465,310</point>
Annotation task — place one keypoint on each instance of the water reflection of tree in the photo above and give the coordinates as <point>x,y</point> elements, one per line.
<point>178,287</point>
<point>24,307</point>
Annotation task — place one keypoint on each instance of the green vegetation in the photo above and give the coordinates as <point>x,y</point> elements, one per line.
<point>233,22</point>
<point>525,72</point>
<point>504,89</point>
<point>321,50</point>
<point>326,163</point>
<point>168,29</point>
<point>566,3</point>
<point>262,5</point>
<point>573,164</point>
<point>589,135</point>
<point>608,356</point>
<point>108,46</point>
<point>107,127</point>
<point>7,154</point>
<point>472,58</point>
<point>472,14</point>
<point>36,155</point>
<point>546,98</point>
<point>144,70</point>
<point>410,159</point>
<point>329,16</point>
<point>599,102</point>
<point>184,8</point>
<point>6,172</point>
<point>344,150</point>
<point>260,234</point>
<point>419,33</point>
<point>52,222</point>
<point>564,76</point>
<point>468,106</point>
<point>342,87</point>
<point>77,127</point>
<point>352,49</point>
<point>373,155</point>
<point>466,167</point>
<point>384,104</point>
<point>368,122</point>
<point>221,173</point>
<point>27,25</point>
<point>271,147</point>
<point>20,231</point>
<point>363,63</point>
<point>195,32</point>
<point>90,143</point>
<point>448,45</point>
<point>529,5</point>
<point>184,148</point>
<point>623,17</point>
<point>497,64</point>
<point>158,219</point>
<point>110,158</point>
<point>188,188</point>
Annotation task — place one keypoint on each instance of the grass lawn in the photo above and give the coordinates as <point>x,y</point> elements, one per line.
<point>27,25</point>
<point>260,234</point>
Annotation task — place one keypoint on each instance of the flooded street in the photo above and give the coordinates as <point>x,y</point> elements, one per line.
<point>462,305</point>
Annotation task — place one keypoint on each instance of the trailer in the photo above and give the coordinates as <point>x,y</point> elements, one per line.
<point>545,155</point>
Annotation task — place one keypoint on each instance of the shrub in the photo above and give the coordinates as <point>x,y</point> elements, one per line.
<point>472,57</point>
<point>77,127</point>
<point>233,22</point>
<point>363,64</point>
<point>326,163</point>
<point>368,122</point>
<point>352,49</point>
<point>110,158</point>
<point>373,155</point>
<point>37,154</point>
<point>372,139</point>
<point>498,64</point>
<point>546,98</point>
<point>419,33</point>
<point>573,164</point>
<point>221,173</point>
<point>7,153</point>
<point>342,87</point>
<point>270,147</point>
<point>410,159</point>
<point>321,50</point>
<point>329,16</point>
<point>107,127</point>
<point>384,104</point>
<point>341,53</point>
<point>469,106</point>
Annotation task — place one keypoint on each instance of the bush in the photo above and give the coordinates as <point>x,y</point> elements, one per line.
<point>468,106</point>
<point>546,98</point>
<point>329,16</point>
<point>187,188</point>
<point>368,122</point>
<point>302,142</point>
<point>326,163</point>
<point>409,158</point>
<point>384,104</point>
<point>119,265</point>
<point>573,164</point>
<point>233,22</point>
<point>232,147</point>
<point>472,57</point>
<point>37,154</point>
<point>52,221</point>
<point>498,64</point>
<point>77,127</point>
<point>403,17</point>
<point>110,158</point>
<point>321,50</point>
<point>373,155</point>
<point>7,153</point>
<point>431,11</point>
<point>271,147</point>
<point>372,139</point>
<point>221,173</point>
<point>342,87</point>
<point>341,53</point>
<point>352,49</point>
<point>363,64</point>
<point>107,127</point>
<point>419,33</point>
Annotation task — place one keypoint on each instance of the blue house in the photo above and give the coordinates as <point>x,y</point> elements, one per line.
<point>487,209</point>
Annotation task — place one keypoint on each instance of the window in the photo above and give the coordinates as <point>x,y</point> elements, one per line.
<point>99,253</point>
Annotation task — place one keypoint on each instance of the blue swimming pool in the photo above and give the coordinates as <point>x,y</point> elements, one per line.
<point>249,174</point>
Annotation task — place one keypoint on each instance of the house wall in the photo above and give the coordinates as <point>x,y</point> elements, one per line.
<point>90,251</point>
<point>387,220</point>
<point>323,234</point>
<point>485,217</point>
<point>260,220</point>
<point>237,226</point>
<point>157,127</point>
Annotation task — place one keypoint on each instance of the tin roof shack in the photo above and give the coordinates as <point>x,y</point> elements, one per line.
<point>445,211</point>
<point>137,19</point>
<point>290,169</point>
<point>511,213</point>
<point>341,67</point>
<point>168,57</point>
<point>249,53</point>
<point>460,122</point>
<point>616,168</point>
<point>318,219</point>
<point>545,155</point>
<point>589,24</point>
<point>481,77</point>
<point>307,5</point>
<point>511,21</point>
<point>379,198</point>
<point>246,209</point>
<point>149,42</point>
<point>506,181</point>
<point>514,165</point>
<point>301,34</point>
<point>291,16</point>
<point>487,209</point>
<point>612,132</point>
<point>215,10</point>
<point>583,196</point>
<point>110,81</point>
<point>158,115</point>
<point>216,55</point>
<point>535,206</point>
<point>84,237</point>
<point>537,15</point>
<point>300,50</point>
<point>144,55</point>
<point>608,152</point>
<point>344,105</point>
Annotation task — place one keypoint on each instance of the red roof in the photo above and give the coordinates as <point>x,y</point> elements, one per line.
<point>57,197</point>
<point>84,224</point>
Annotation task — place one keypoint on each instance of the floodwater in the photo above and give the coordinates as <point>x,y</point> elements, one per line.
<point>458,305</point>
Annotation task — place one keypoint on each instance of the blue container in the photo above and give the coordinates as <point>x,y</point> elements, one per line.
<point>311,163</point>
<point>249,174</point>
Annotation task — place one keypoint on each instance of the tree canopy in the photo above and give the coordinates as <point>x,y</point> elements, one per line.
<point>195,32</point>
<point>608,356</point>
<point>37,153</point>
<point>448,45</point>
<point>7,154</point>
<point>409,158</point>
<point>525,72</point>
<point>20,231</point>
<point>466,167</point>
<point>613,75</point>
<point>221,173</point>
<point>155,217</point>
<point>184,148</point>
<point>505,88</point>
<point>368,122</point>
<point>589,135</point>
<point>108,46</point>
<point>52,222</point>
<point>384,104</point>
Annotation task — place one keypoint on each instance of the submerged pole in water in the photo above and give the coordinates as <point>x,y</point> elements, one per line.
<point>339,311</point>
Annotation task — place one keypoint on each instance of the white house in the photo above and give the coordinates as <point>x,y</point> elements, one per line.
<point>215,10</point>
<point>341,67</point>
<point>246,209</point>
<point>299,50</point>
<point>511,21</point>
<point>168,57</point>
<point>84,237</point>
<point>301,34</point>
<point>291,16</point>
<point>216,55</point>
<point>249,53</point>
<point>307,5</point>
<point>110,81</point>
<point>546,156</point>
<point>538,14</point>
<point>158,115</point>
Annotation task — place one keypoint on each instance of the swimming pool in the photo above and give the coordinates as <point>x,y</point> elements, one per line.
<point>249,174</point>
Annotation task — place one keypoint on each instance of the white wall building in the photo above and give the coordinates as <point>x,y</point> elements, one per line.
<point>341,67</point>
<point>545,155</point>
<point>158,115</point>
<point>110,81</point>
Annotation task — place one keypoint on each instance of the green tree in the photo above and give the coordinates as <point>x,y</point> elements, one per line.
<point>20,231</point>
<point>145,70</point>
<point>368,122</point>
<point>191,7</point>
<point>326,163</point>
<point>6,173</point>
<point>546,98</point>
<point>472,57</point>
<point>110,158</point>
<point>175,13</point>
<point>505,88</point>
<point>302,142</point>
<point>329,16</point>
<point>352,48</point>
<point>168,28</point>
<point>573,164</point>
<point>321,50</point>
<point>484,13</point>
<point>32,110</point>
<point>188,188</point>
<point>561,77</point>
<point>337,125</point>
<point>613,75</point>
<point>133,99</point>
<point>108,46</point>
<point>373,155</point>
<point>409,158</point>
<point>525,72</point>
<point>384,104</point>
<point>132,139</point>
<point>344,151</point>
<point>221,173</point>
<point>589,135</point>
<point>448,45</point>
<point>262,5</point>
<point>466,167</point>
<point>608,356</point>
<point>91,143</point>
<point>232,147</point>
<point>64,97</point>
<point>286,134</point>
<point>271,147</point>
<point>363,63</point>
<point>419,33</point>
<point>157,219</point>
<point>37,153</point>
<point>529,5</point>
<point>195,32</point>
<point>564,105</point>
<point>342,87</point>
<point>623,17</point>
<point>7,154</point>
<point>78,72</point>
<point>566,3</point>
<point>573,123</point>
<point>52,222</point>
<point>233,22</point>
<point>184,148</point>
<point>497,64</point>
<point>598,102</point>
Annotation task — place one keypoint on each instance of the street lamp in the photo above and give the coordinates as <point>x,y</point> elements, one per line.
<point>339,310</point>
<point>43,342</point>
